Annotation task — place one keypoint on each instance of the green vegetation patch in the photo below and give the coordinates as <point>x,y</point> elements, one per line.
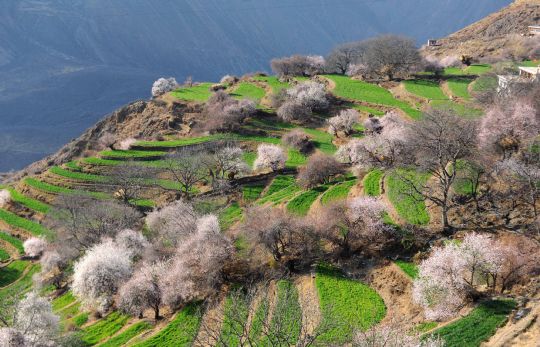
<point>372,182</point>
<point>15,242</point>
<point>295,159</point>
<point>337,192</point>
<point>200,92</point>
<point>273,82</point>
<point>363,91</point>
<point>246,90</point>
<point>287,315</point>
<point>63,300</point>
<point>234,319</point>
<point>104,328</point>
<point>424,88</point>
<point>485,83</point>
<point>4,255</point>
<point>28,202</point>
<point>280,182</point>
<point>12,272</point>
<point>131,154</point>
<point>301,204</point>
<point>230,215</point>
<point>411,269</point>
<point>180,142</point>
<point>411,208</point>
<point>180,332</point>
<point>459,87</point>
<point>477,326</point>
<point>252,192</point>
<point>80,319</point>
<point>49,188</point>
<point>346,305</point>
<point>122,338</point>
<point>34,228</point>
<point>257,324</point>
<point>321,139</point>
<point>16,290</point>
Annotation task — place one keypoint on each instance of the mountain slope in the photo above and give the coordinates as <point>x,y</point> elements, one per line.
<point>64,63</point>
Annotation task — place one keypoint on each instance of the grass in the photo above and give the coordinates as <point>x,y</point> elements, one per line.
<point>411,269</point>
<point>73,165</point>
<point>372,182</point>
<point>321,139</point>
<point>257,324</point>
<point>49,188</point>
<point>28,202</point>
<point>459,87</point>
<point>474,69</point>
<point>246,90</point>
<point>352,303</point>
<point>15,242</point>
<point>301,204</point>
<point>69,312</point>
<point>280,182</point>
<point>410,208</point>
<point>62,301</point>
<point>234,319</point>
<point>485,83</point>
<point>230,215</point>
<point>337,192</point>
<point>34,228</point>
<point>17,289</point>
<point>281,188</point>
<point>425,327</point>
<point>131,154</point>
<point>122,338</point>
<point>200,92</point>
<point>363,91</point>
<point>295,159</point>
<point>180,332</point>
<point>104,328</point>
<point>273,82</point>
<point>12,272</point>
<point>4,255</point>
<point>287,315</point>
<point>459,109</point>
<point>428,89</point>
<point>180,142</point>
<point>367,109</point>
<point>477,326</point>
<point>80,319</point>
<point>252,192</point>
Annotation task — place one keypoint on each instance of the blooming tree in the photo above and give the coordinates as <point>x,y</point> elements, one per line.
<point>270,157</point>
<point>164,85</point>
<point>35,246</point>
<point>227,161</point>
<point>297,139</point>
<point>142,290</point>
<point>343,122</point>
<point>319,169</point>
<point>302,100</point>
<point>225,113</point>
<point>99,273</point>
<point>36,321</point>
<point>10,337</point>
<point>173,222</point>
<point>126,143</point>
<point>453,272</point>
<point>132,241</point>
<point>298,65</point>
<point>5,197</point>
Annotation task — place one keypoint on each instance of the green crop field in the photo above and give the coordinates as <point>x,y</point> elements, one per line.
<point>477,326</point>
<point>346,305</point>
<point>411,269</point>
<point>63,301</point>
<point>28,202</point>
<point>34,228</point>
<point>337,192</point>
<point>459,109</point>
<point>295,159</point>
<point>367,109</point>
<point>410,208</point>
<point>246,90</point>
<point>252,192</point>
<point>273,82</point>
<point>180,142</point>
<point>180,332</point>
<point>280,182</point>
<point>301,204</point>
<point>234,320</point>
<point>69,312</point>
<point>131,154</point>
<point>15,242</point>
<point>459,87</point>
<point>363,91</point>
<point>230,215</point>
<point>372,182</point>
<point>281,196</point>
<point>199,92</point>
<point>485,83</point>
<point>104,328</point>
<point>425,88</point>
<point>49,188</point>
<point>321,139</point>
<point>12,272</point>
<point>474,69</point>
<point>16,290</point>
<point>80,176</point>
<point>4,255</point>
<point>80,319</point>
<point>122,338</point>
<point>287,315</point>
<point>257,324</point>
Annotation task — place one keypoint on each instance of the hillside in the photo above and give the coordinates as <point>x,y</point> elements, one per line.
<point>289,299</point>
<point>493,35</point>
<point>65,64</point>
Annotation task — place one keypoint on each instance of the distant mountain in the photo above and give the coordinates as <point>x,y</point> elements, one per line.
<point>66,63</point>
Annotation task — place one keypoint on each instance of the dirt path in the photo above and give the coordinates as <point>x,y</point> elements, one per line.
<point>309,302</point>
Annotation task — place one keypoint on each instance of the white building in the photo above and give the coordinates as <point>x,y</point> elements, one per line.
<point>530,73</point>
<point>534,29</point>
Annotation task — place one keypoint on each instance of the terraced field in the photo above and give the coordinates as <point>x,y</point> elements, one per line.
<point>199,92</point>
<point>410,207</point>
<point>424,88</point>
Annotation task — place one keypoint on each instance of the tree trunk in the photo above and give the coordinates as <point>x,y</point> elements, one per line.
<point>156,312</point>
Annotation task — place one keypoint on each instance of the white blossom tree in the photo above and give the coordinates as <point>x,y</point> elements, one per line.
<point>132,241</point>
<point>270,157</point>
<point>126,143</point>
<point>173,222</point>
<point>5,197</point>
<point>164,85</point>
<point>36,321</point>
<point>10,337</point>
<point>99,273</point>
<point>35,246</point>
<point>343,122</point>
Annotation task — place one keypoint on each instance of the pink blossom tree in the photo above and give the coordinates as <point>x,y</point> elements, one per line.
<point>35,246</point>
<point>343,122</point>
<point>174,222</point>
<point>132,241</point>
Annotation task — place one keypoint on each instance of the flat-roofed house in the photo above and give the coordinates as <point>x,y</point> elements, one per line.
<point>530,73</point>
<point>534,29</point>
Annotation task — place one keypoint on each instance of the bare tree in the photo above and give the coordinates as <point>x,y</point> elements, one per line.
<point>225,113</point>
<point>298,65</point>
<point>130,180</point>
<point>343,56</point>
<point>319,169</point>
<point>187,167</point>
<point>438,142</point>
<point>298,139</point>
